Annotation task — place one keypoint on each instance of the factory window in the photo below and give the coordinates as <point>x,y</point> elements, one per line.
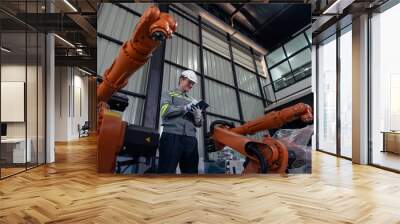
<point>295,45</point>
<point>276,56</point>
<point>290,62</point>
<point>309,35</point>
<point>282,76</point>
<point>301,64</point>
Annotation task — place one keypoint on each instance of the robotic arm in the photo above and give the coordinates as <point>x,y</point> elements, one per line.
<point>268,155</point>
<point>152,28</point>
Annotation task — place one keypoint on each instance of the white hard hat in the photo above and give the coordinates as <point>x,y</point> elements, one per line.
<point>190,75</point>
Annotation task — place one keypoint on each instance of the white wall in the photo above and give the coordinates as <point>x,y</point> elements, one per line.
<point>33,126</point>
<point>80,98</point>
<point>71,107</point>
<point>12,73</point>
<point>16,73</point>
<point>61,105</point>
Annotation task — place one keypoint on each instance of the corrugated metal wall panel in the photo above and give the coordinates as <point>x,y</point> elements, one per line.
<point>247,81</point>
<point>103,16</point>
<point>251,106</point>
<point>138,81</point>
<point>242,58</point>
<point>215,43</point>
<point>222,99</point>
<point>116,22</point>
<point>107,51</point>
<point>217,67</point>
<point>186,27</point>
<point>183,53</point>
<point>138,7</point>
<point>134,112</point>
<point>119,24</point>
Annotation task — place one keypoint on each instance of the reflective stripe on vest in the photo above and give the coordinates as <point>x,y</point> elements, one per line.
<point>164,108</point>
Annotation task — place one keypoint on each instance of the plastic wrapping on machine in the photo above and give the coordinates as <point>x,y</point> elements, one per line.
<point>298,143</point>
<point>226,161</point>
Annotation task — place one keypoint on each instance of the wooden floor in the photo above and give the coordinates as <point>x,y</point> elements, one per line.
<point>10,171</point>
<point>70,191</point>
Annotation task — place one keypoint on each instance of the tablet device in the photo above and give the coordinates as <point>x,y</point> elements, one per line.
<point>202,105</point>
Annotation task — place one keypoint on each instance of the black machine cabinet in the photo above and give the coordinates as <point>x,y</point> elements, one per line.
<point>141,141</point>
<point>139,150</point>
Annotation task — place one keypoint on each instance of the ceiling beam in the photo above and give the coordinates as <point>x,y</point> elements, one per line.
<point>83,61</point>
<point>89,30</point>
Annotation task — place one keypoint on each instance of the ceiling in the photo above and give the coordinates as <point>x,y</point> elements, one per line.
<point>266,24</point>
<point>72,20</point>
<point>337,14</point>
<point>22,48</point>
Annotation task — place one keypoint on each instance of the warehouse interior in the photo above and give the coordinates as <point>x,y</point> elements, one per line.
<point>235,76</point>
<point>251,59</point>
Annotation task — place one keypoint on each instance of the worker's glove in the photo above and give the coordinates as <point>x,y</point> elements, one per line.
<point>197,114</point>
<point>189,107</point>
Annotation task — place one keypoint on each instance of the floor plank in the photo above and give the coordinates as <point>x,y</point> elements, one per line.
<point>70,191</point>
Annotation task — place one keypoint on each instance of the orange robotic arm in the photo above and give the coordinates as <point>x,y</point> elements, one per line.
<point>152,28</point>
<point>268,155</point>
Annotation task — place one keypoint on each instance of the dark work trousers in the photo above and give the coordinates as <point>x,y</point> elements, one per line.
<point>176,149</point>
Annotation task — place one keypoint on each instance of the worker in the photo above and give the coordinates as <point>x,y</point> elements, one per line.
<point>180,117</point>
